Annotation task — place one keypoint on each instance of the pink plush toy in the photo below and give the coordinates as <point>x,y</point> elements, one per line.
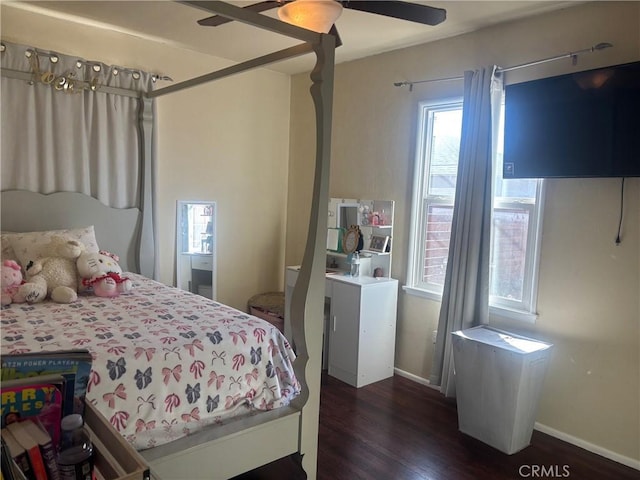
<point>11,281</point>
<point>102,272</point>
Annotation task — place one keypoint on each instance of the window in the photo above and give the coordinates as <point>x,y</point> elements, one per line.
<point>516,217</point>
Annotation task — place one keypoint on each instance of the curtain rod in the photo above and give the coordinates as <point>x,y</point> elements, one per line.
<point>572,55</point>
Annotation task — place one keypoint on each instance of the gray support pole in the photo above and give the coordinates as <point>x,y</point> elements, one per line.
<point>147,250</point>
<point>307,301</point>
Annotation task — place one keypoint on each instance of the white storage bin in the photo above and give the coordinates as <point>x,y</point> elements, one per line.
<point>499,378</point>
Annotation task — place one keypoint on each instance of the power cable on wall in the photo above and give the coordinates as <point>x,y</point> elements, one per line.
<point>619,237</point>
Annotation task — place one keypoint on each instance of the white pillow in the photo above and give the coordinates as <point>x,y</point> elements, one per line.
<point>30,246</point>
<point>7,249</point>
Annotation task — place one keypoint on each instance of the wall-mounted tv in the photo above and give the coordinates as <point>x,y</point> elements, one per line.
<point>584,124</point>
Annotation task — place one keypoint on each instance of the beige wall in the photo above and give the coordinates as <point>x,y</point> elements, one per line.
<point>222,142</point>
<point>589,292</point>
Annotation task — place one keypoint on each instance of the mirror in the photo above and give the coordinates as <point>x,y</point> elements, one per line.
<point>347,215</point>
<point>196,247</point>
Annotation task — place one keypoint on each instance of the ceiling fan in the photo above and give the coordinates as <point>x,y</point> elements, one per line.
<point>411,12</point>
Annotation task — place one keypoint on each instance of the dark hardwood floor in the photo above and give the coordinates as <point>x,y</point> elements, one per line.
<point>400,430</point>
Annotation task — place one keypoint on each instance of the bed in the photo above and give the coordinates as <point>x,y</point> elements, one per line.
<point>288,423</point>
<point>156,326</point>
<point>166,363</point>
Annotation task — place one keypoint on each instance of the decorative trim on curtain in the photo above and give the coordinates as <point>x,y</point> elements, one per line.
<point>74,125</point>
<point>465,298</point>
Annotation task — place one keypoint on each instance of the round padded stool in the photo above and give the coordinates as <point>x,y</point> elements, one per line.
<point>269,306</point>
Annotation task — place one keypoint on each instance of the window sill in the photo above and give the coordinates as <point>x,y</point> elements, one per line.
<point>419,292</point>
<point>502,313</point>
<point>497,313</point>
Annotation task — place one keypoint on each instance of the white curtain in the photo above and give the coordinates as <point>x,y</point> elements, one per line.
<point>83,141</point>
<point>465,299</point>
<point>57,136</point>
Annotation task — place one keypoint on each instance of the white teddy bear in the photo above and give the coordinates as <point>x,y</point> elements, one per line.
<point>102,272</point>
<point>55,274</point>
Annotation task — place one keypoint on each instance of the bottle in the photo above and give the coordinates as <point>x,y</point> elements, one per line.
<point>355,264</point>
<point>75,457</point>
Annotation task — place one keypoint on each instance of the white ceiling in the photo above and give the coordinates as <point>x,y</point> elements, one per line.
<point>363,34</point>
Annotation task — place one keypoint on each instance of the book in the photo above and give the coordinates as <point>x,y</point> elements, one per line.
<point>32,448</point>
<point>74,365</point>
<point>17,473</point>
<point>10,470</point>
<point>18,454</point>
<point>47,450</point>
<point>7,462</point>
<point>65,383</point>
<point>34,397</point>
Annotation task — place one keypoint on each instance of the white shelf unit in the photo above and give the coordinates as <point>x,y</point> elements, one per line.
<point>375,219</point>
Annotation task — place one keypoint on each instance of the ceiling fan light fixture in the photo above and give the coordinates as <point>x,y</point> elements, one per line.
<point>316,15</point>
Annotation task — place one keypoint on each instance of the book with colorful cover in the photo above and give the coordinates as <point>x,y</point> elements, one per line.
<point>74,365</point>
<point>65,383</point>
<point>60,381</point>
<point>41,400</point>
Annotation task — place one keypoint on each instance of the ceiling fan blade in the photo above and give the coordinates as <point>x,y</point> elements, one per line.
<point>412,12</point>
<point>216,20</point>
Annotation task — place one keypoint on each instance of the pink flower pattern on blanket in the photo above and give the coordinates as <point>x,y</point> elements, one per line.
<point>166,363</point>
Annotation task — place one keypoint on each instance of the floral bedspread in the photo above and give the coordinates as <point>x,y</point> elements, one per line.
<point>166,363</point>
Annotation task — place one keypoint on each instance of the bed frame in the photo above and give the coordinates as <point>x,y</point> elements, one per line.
<point>117,229</point>
<point>240,445</point>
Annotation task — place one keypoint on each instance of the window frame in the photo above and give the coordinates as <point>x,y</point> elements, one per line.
<point>524,310</point>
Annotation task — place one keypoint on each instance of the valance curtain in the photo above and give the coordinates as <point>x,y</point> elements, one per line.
<point>465,298</point>
<point>58,136</point>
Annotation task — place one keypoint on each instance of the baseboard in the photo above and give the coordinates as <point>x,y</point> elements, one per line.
<point>598,450</point>
<point>565,437</point>
<point>415,378</point>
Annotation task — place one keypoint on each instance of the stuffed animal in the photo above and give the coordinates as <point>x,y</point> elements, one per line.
<point>54,275</point>
<point>11,279</point>
<point>102,272</point>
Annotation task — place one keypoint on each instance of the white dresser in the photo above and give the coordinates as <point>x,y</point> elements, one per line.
<point>360,329</point>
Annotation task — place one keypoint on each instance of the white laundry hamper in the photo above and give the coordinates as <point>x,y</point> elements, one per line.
<point>499,377</point>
